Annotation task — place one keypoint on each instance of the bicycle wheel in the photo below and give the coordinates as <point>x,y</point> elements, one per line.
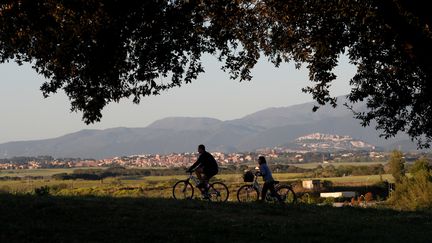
<point>183,190</point>
<point>287,194</point>
<point>247,193</point>
<point>218,192</point>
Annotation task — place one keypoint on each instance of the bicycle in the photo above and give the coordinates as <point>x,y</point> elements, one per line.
<point>251,192</point>
<point>183,189</point>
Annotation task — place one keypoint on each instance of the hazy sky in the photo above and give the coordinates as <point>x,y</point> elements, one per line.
<point>26,115</point>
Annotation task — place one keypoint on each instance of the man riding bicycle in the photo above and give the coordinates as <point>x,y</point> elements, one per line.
<point>205,167</point>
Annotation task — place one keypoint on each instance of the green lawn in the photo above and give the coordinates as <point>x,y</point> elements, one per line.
<point>106,219</point>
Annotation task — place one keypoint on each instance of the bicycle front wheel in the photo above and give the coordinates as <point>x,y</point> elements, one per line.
<point>183,190</point>
<point>218,192</point>
<point>247,193</point>
<point>287,194</point>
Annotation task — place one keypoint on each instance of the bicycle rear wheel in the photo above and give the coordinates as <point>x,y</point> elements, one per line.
<point>247,193</point>
<point>218,192</point>
<point>287,194</point>
<point>183,190</point>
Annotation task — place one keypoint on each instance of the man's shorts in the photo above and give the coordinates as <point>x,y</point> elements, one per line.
<point>209,174</point>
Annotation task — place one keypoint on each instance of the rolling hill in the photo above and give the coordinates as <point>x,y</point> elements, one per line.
<point>266,128</point>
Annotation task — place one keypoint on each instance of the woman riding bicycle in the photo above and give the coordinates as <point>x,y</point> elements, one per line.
<point>269,182</point>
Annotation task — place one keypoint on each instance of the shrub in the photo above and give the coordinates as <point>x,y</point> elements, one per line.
<point>42,191</point>
<point>422,164</point>
<point>368,197</point>
<point>397,168</point>
<point>327,184</point>
<point>353,201</point>
<point>413,193</point>
<point>308,198</point>
<point>329,201</point>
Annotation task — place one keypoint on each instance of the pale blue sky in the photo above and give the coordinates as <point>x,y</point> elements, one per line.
<point>26,115</point>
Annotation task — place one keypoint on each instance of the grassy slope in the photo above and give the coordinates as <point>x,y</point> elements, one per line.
<point>92,219</point>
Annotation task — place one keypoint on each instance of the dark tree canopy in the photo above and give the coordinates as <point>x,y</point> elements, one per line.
<point>101,51</point>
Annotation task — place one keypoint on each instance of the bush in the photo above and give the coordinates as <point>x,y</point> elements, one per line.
<point>413,193</point>
<point>42,191</point>
<point>421,164</point>
<point>329,201</point>
<point>308,198</point>
<point>368,197</point>
<point>397,166</point>
<point>327,184</point>
<point>416,192</point>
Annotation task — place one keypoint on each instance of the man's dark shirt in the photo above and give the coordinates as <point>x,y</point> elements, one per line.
<point>208,162</point>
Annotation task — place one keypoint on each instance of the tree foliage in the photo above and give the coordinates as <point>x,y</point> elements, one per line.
<point>101,51</point>
<point>421,164</point>
<point>413,193</point>
<point>397,166</point>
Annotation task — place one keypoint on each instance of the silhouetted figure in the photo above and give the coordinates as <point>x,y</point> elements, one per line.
<point>205,167</point>
<point>269,182</point>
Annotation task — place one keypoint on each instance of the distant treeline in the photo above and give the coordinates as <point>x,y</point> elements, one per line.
<point>19,160</point>
<point>320,171</point>
<point>280,168</point>
<point>19,178</point>
<point>24,159</point>
<point>99,174</point>
<point>348,170</point>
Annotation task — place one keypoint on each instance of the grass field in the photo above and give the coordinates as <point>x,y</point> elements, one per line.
<point>146,186</point>
<point>141,209</point>
<point>106,219</point>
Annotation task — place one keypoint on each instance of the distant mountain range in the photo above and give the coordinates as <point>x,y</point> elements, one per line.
<point>266,128</point>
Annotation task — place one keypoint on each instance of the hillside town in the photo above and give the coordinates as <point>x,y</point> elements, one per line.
<point>315,147</point>
<point>336,142</point>
<point>186,159</point>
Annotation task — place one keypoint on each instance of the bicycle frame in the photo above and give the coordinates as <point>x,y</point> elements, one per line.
<point>196,182</point>
<point>193,178</point>
<point>281,193</point>
<point>214,191</point>
<point>257,186</point>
